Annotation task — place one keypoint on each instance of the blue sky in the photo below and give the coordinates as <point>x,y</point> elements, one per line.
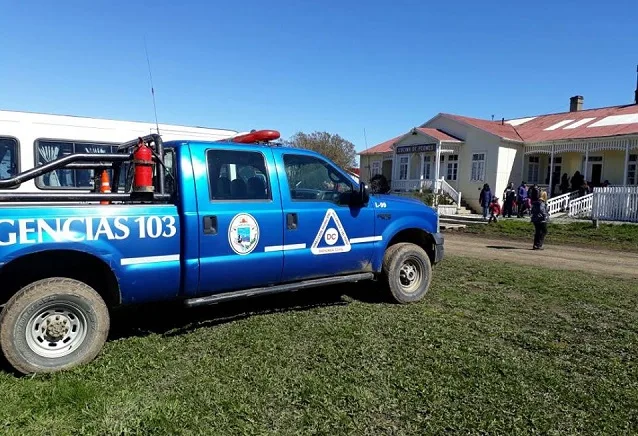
<point>334,65</point>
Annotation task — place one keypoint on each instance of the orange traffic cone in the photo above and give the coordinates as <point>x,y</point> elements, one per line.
<point>105,187</point>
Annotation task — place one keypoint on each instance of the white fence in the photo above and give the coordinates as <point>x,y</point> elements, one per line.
<point>615,204</point>
<point>581,207</point>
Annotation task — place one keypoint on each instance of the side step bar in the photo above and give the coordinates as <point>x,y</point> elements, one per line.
<point>246,293</point>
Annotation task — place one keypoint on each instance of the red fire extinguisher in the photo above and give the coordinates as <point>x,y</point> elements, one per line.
<point>143,172</point>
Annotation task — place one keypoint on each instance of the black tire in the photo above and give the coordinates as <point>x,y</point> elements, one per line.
<point>53,324</point>
<point>402,262</point>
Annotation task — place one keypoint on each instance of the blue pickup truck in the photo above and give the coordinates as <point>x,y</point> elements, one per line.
<point>221,221</point>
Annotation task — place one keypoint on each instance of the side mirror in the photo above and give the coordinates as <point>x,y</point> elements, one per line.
<point>364,194</point>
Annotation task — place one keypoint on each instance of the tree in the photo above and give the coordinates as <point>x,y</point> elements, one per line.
<point>333,146</point>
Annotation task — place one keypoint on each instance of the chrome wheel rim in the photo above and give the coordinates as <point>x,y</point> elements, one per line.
<point>56,330</point>
<point>411,274</point>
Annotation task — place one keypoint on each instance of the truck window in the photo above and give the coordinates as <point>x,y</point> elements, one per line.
<point>310,178</point>
<point>8,157</point>
<point>47,151</point>
<point>237,175</point>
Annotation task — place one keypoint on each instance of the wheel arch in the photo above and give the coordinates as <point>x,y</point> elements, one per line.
<point>72,264</point>
<point>414,235</point>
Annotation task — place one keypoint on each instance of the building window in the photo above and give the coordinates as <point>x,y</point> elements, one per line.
<point>632,170</point>
<point>48,151</point>
<point>237,175</point>
<point>311,178</point>
<point>533,169</point>
<point>452,166</point>
<point>404,162</point>
<point>478,167</point>
<point>8,157</point>
<point>376,168</point>
<point>427,167</point>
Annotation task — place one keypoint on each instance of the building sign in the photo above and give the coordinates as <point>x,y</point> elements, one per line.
<point>416,148</point>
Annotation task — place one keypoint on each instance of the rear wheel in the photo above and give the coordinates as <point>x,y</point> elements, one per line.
<point>53,324</point>
<point>408,272</point>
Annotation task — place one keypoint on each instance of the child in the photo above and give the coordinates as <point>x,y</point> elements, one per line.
<point>495,210</point>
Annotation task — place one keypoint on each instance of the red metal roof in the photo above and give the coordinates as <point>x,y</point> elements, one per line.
<point>384,147</point>
<point>495,127</point>
<point>591,123</point>
<point>438,134</point>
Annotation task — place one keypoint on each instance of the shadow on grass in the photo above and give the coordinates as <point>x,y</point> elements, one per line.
<point>172,318</point>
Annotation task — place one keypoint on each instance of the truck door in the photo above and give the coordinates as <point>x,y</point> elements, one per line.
<point>321,236</point>
<point>240,218</point>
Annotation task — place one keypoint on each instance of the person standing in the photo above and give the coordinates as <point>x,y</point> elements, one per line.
<point>540,218</point>
<point>485,198</point>
<point>521,199</point>
<point>509,196</point>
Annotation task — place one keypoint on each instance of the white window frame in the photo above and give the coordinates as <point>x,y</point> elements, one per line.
<point>452,167</point>
<point>478,167</point>
<point>632,167</point>
<point>404,167</point>
<point>533,166</point>
<point>427,166</point>
<point>375,168</point>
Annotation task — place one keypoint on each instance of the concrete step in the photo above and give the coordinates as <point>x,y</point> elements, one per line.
<point>463,211</point>
<point>451,226</point>
<point>471,217</point>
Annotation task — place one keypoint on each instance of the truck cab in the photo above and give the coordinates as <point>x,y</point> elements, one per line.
<point>236,219</point>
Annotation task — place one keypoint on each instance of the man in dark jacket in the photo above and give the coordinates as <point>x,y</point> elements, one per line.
<point>508,200</point>
<point>540,217</point>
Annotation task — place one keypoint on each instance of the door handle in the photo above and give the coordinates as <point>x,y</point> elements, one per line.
<point>210,225</point>
<point>292,221</point>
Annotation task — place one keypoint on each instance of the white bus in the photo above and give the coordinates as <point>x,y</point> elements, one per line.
<point>29,139</point>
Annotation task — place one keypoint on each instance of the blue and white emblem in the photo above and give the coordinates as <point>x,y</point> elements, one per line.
<point>243,233</point>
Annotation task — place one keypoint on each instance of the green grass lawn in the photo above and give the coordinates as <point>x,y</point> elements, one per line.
<point>494,348</point>
<point>607,236</point>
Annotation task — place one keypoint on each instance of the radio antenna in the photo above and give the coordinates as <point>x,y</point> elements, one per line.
<point>150,75</point>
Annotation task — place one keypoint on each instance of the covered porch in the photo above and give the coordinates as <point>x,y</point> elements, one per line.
<point>605,161</point>
<point>423,161</point>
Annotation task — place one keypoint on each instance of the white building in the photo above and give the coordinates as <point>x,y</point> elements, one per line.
<point>602,144</point>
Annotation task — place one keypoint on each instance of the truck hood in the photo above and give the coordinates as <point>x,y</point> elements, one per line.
<point>398,202</point>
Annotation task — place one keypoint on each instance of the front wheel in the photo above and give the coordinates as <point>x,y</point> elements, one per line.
<point>53,324</point>
<point>408,272</point>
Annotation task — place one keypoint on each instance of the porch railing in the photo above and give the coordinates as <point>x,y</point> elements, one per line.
<point>415,185</point>
<point>449,190</point>
<point>581,207</point>
<point>411,185</point>
<point>560,203</point>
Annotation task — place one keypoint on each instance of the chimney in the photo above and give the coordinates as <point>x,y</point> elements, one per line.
<point>576,103</point>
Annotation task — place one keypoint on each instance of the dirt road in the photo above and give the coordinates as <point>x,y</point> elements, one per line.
<point>614,263</point>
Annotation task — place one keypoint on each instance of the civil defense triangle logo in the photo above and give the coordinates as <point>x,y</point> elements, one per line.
<point>327,239</point>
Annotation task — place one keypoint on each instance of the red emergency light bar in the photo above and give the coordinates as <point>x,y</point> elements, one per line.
<point>256,136</point>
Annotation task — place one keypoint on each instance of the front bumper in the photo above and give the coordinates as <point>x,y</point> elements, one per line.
<point>438,247</point>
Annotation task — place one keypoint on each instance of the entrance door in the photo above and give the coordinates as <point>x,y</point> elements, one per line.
<point>240,218</point>
<point>322,238</point>
<point>596,174</point>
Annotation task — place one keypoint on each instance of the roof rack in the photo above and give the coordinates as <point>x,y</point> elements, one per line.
<point>98,162</point>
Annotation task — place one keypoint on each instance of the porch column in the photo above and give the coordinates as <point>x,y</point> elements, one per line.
<point>625,174</point>
<point>395,168</point>
<point>422,156</point>
<point>437,167</point>
<point>523,167</point>
<point>586,162</point>
<point>551,172</point>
